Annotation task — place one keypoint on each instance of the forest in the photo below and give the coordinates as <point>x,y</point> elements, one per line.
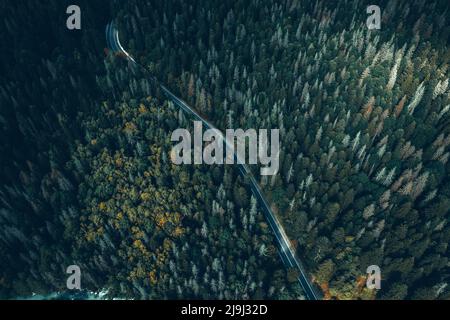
<point>86,176</point>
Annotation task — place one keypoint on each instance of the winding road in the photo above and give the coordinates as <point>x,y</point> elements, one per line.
<point>286,251</point>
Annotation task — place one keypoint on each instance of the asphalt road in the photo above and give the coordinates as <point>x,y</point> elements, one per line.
<point>287,252</point>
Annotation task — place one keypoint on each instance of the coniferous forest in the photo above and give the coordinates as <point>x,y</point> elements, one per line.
<point>86,176</point>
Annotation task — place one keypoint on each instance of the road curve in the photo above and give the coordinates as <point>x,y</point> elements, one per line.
<point>286,251</point>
